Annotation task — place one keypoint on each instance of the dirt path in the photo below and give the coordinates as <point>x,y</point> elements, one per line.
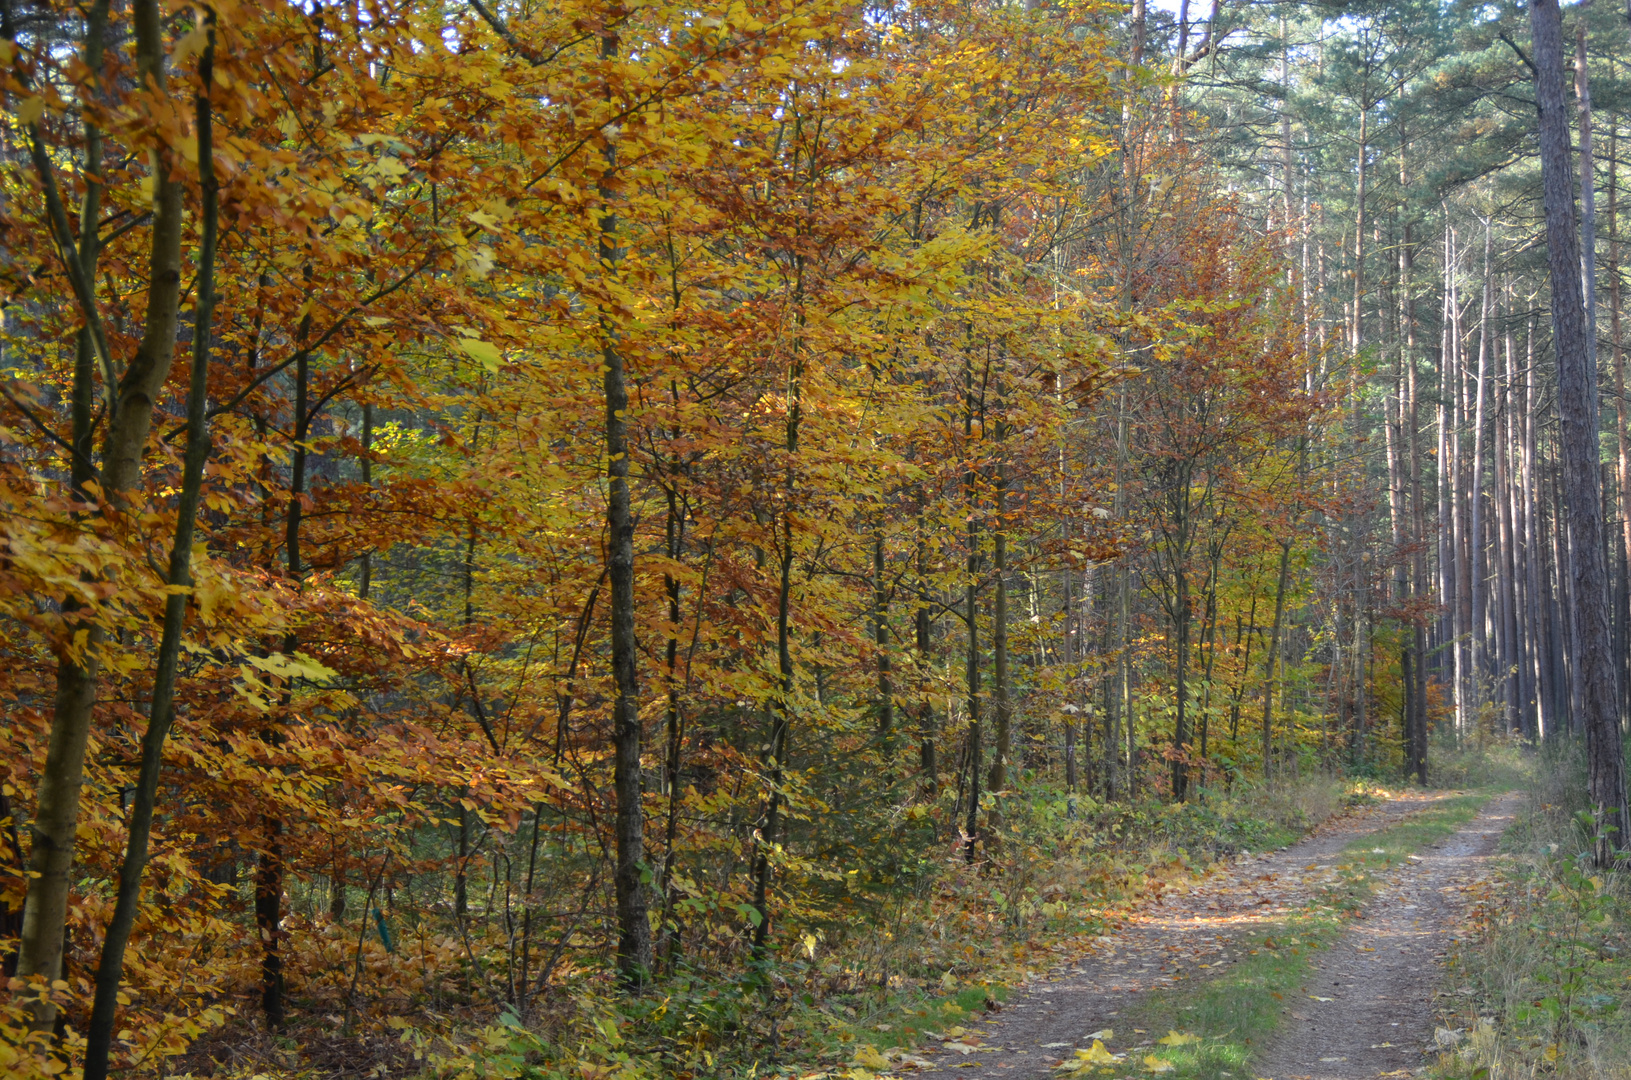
<point>1182,935</point>
<point>1379,978</point>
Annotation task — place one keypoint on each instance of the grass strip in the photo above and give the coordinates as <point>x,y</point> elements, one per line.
<point>1214,1027</point>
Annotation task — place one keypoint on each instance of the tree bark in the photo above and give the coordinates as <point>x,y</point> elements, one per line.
<point>971,601</point>
<point>1274,654</point>
<point>1002,709</point>
<point>1476,547</point>
<point>633,925</point>
<point>880,638</point>
<point>56,816</point>
<point>1357,330</point>
<point>928,761</point>
<point>1622,429</point>
<point>110,969</point>
<point>1577,395</point>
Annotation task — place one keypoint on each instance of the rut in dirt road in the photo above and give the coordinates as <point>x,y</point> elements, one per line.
<point>1380,976</point>
<point>1186,934</point>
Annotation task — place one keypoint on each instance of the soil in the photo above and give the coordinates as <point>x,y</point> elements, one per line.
<point>1188,934</point>
<point>1380,977</point>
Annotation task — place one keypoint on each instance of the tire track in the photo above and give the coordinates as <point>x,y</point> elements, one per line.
<point>1181,935</point>
<point>1379,978</point>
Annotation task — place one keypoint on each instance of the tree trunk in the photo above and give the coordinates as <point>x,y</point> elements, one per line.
<point>1070,655</point>
<point>880,638</point>
<point>110,969</point>
<point>56,815</point>
<point>1415,673</point>
<point>972,612</point>
<point>633,926</point>
<point>928,763</point>
<point>1480,665</point>
<point>1622,429</point>
<point>1180,734</point>
<point>1002,710</point>
<point>1274,653</point>
<point>1357,330</point>
<point>1577,398</point>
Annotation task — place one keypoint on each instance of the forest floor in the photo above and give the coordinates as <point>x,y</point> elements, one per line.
<point>1315,962</point>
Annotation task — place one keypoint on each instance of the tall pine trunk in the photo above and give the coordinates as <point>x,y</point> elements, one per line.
<point>1577,407</point>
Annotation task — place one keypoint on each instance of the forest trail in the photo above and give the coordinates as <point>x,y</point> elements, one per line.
<point>1377,982</point>
<point>1189,933</point>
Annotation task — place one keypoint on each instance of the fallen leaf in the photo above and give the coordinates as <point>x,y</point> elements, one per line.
<point>1178,1038</point>
<point>867,1057</point>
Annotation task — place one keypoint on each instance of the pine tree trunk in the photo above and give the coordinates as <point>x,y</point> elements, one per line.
<point>1477,564</point>
<point>1622,428</point>
<point>1577,399</point>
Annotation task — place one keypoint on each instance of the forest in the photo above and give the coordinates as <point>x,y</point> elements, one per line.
<point>622,539</point>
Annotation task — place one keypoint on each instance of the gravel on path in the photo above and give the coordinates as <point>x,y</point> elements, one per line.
<point>1182,935</point>
<point>1379,978</point>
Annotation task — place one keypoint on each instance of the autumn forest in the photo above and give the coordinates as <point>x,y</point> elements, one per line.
<point>592,539</point>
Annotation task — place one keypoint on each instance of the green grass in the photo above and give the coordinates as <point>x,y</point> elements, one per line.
<point>1238,1012</point>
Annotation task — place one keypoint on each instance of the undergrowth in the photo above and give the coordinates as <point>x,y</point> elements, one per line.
<point>1537,988</point>
<point>1059,873</point>
<point>943,956</point>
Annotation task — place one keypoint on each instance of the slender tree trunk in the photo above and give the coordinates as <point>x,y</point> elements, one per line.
<point>928,763</point>
<point>633,925</point>
<point>1273,655</point>
<point>880,637</point>
<point>1070,656</point>
<point>110,969</point>
<point>1357,330</point>
<point>781,703</point>
<point>972,612</point>
<point>1002,710</point>
<point>1524,551</point>
<point>1181,627</point>
<point>1506,578</point>
<point>674,536</point>
<point>1543,613</point>
<point>56,815</point>
<point>1480,667</point>
<point>1415,673</point>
